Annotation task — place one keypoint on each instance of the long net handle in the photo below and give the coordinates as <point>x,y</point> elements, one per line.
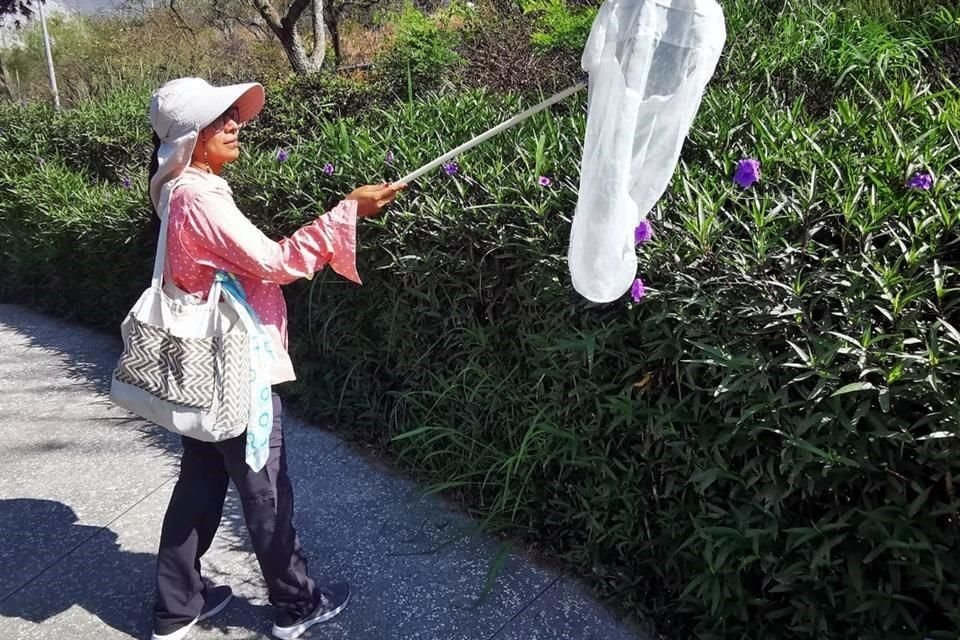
<point>503,126</point>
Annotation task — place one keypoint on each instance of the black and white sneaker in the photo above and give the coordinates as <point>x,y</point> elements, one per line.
<point>331,600</point>
<point>217,600</point>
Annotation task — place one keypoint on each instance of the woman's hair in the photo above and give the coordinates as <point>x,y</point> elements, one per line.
<point>154,160</point>
<point>154,167</point>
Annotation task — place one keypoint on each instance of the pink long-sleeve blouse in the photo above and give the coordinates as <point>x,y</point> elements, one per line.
<point>207,233</point>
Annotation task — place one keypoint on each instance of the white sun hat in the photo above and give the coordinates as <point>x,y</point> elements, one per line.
<point>180,109</point>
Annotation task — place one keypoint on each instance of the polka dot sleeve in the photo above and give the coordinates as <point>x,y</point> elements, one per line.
<point>233,243</point>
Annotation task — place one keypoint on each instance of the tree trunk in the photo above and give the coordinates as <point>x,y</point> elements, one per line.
<point>288,34</point>
<point>334,30</point>
<point>319,36</point>
<point>301,63</point>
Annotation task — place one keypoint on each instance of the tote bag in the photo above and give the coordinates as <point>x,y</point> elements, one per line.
<point>186,361</point>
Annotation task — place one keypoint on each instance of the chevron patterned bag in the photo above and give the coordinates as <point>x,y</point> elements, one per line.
<point>186,362</point>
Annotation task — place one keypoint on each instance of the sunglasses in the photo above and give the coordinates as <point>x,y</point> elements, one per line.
<point>233,113</point>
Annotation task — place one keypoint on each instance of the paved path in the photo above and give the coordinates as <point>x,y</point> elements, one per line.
<point>83,488</point>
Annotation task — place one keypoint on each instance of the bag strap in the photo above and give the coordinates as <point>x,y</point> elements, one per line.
<point>159,261</point>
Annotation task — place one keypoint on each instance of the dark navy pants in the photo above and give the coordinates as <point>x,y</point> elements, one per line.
<point>194,514</point>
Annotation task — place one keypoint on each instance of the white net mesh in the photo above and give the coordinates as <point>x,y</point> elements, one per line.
<point>649,63</point>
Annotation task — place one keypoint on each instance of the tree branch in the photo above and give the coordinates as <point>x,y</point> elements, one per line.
<point>270,15</point>
<point>293,13</point>
<point>226,16</point>
<point>183,23</point>
<point>364,4</point>
<point>319,34</point>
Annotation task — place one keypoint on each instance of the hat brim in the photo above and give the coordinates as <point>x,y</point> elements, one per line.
<point>249,99</point>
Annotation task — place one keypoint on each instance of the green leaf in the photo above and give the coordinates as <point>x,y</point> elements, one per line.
<point>854,388</point>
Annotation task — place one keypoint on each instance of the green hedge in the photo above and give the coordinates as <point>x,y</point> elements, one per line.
<point>763,448</point>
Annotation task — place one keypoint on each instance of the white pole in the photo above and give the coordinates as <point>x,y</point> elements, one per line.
<point>503,126</point>
<point>46,46</point>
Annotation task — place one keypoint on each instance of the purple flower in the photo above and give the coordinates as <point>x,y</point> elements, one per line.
<point>41,161</point>
<point>748,173</point>
<point>389,159</point>
<point>282,155</point>
<point>328,169</point>
<point>127,183</point>
<point>643,232</point>
<point>451,168</point>
<point>638,290</point>
<point>921,181</point>
<point>544,181</point>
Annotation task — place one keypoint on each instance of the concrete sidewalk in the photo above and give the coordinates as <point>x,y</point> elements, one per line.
<point>83,488</point>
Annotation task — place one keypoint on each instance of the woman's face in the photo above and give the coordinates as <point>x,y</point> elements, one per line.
<point>219,142</point>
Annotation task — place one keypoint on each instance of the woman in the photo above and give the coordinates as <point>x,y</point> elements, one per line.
<point>196,128</point>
